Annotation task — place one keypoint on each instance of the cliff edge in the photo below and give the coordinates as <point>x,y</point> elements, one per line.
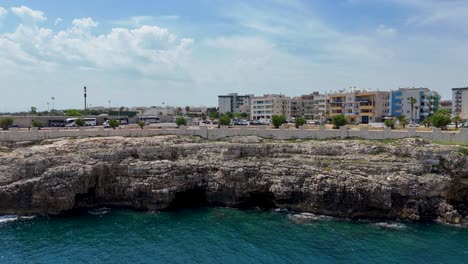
<point>411,179</point>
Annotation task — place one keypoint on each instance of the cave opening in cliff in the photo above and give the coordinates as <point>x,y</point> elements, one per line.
<point>262,200</point>
<point>190,198</point>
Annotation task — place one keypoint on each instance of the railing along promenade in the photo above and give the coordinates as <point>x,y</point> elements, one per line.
<point>214,133</point>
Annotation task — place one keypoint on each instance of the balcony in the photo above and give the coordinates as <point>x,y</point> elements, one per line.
<point>366,107</point>
<point>367,100</point>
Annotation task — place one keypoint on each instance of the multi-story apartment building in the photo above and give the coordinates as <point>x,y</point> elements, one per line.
<point>303,106</point>
<point>360,106</point>
<point>264,107</point>
<point>321,102</point>
<point>414,103</point>
<point>460,102</point>
<point>234,103</point>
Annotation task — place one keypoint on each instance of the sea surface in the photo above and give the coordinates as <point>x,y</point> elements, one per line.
<point>222,235</point>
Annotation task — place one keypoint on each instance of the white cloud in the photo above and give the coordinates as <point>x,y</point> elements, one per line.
<point>148,50</point>
<point>385,31</point>
<point>84,23</point>
<point>137,21</point>
<point>3,12</point>
<point>58,21</point>
<point>27,13</point>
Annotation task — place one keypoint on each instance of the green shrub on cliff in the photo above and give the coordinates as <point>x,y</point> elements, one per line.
<point>278,120</point>
<point>440,119</point>
<point>141,124</point>
<point>390,123</point>
<point>37,124</point>
<point>180,121</point>
<point>79,122</point>
<point>338,121</point>
<point>5,123</point>
<point>224,121</point>
<point>114,123</point>
<point>299,121</point>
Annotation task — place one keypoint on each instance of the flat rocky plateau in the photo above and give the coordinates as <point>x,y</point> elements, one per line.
<point>411,179</point>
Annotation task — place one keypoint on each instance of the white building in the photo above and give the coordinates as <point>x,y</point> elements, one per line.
<point>234,103</point>
<point>264,107</point>
<point>460,102</point>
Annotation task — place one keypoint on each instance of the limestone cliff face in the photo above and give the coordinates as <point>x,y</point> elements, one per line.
<point>410,179</point>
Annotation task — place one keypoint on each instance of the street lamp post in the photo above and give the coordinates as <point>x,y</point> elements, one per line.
<point>85,98</point>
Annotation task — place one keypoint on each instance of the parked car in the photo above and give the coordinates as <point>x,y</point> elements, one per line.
<point>414,125</point>
<point>106,124</point>
<point>240,123</point>
<point>256,123</point>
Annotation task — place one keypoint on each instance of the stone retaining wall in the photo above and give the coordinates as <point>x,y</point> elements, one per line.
<point>34,134</point>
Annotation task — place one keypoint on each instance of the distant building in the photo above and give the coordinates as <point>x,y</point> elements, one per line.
<point>309,106</point>
<point>195,111</point>
<point>320,105</point>
<point>460,102</point>
<point>446,105</point>
<point>425,103</point>
<point>234,103</point>
<point>360,106</point>
<point>264,107</point>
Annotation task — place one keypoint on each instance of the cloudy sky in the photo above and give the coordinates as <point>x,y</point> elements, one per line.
<point>140,52</point>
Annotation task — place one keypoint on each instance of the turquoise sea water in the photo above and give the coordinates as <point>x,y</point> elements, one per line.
<point>221,235</point>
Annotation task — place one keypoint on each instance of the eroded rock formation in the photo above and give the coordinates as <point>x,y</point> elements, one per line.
<point>409,179</point>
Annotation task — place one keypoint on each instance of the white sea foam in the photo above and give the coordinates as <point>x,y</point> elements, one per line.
<point>8,218</point>
<point>391,225</point>
<point>307,217</point>
<point>99,211</point>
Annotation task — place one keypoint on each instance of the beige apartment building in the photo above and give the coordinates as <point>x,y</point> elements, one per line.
<point>264,107</point>
<point>360,107</point>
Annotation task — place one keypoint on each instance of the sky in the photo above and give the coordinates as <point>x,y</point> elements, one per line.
<point>145,53</point>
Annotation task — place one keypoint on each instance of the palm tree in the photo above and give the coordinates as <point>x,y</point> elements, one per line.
<point>457,120</point>
<point>412,101</point>
<point>416,108</point>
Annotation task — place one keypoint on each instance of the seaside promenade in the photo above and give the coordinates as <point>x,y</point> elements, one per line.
<point>215,133</point>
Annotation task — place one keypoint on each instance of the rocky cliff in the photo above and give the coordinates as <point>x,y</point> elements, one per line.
<point>409,179</point>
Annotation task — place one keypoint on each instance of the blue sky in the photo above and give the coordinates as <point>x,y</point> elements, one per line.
<point>141,53</point>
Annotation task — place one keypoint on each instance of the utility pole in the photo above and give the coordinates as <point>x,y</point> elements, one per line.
<point>85,98</point>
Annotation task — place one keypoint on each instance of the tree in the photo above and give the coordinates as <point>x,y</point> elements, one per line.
<point>338,121</point>
<point>79,122</point>
<point>72,112</point>
<point>187,110</point>
<point>141,124</point>
<point>180,121</point>
<point>224,120</point>
<point>37,124</point>
<point>5,123</point>
<point>299,121</point>
<point>113,123</point>
<point>427,121</point>
<point>412,102</point>
<point>33,110</point>
<point>390,123</point>
<point>244,115</point>
<point>179,111</point>
<point>278,120</point>
<point>402,120</point>
<point>457,119</point>
<point>440,119</point>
